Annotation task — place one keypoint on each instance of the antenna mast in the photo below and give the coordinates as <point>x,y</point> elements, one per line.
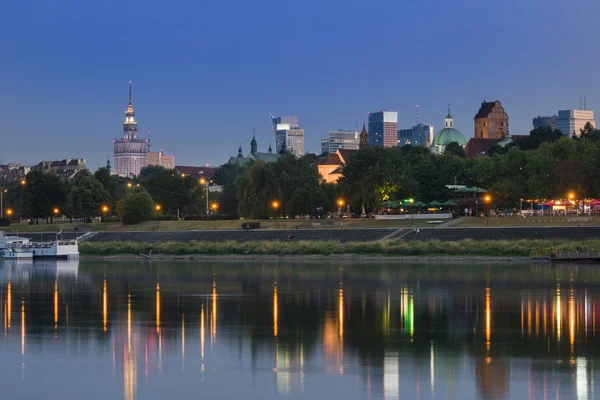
<point>417,112</point>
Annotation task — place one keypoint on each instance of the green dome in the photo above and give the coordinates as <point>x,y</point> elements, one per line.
<point>449,135</point>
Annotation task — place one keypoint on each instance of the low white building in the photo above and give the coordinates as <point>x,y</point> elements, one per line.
<point>571,122</point>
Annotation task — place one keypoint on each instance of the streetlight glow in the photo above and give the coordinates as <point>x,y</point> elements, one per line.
<point>157,207</point>
<point>202,181</point>
<point>571,195</point>
<point>275,204</point>
<point>104,209</point>
<point>129,184</point>
<point>340,202</point>
<point>214,206</point>
<point>487,198</point>
<point>56,211</point>
<point>9,212</point>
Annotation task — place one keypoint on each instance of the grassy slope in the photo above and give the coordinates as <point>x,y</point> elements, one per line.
<point>397,248</point>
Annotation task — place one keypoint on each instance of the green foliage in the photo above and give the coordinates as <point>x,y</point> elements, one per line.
<point>455,149</point>
<point>171,190</point>
<point>42,194</point>
<point>135,208</point>
<point>86,197</point>
<point>226,174</point>
<point>293,182</point>
<point>544,134</point>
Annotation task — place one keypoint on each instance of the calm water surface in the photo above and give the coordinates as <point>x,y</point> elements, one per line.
<point>96,330</point>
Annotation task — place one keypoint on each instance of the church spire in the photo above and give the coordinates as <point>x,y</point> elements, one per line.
<point>270,148</point>
<point>449,119</point>
<point>364,138</point>
<point>253,144</point>
<point>240,151</point>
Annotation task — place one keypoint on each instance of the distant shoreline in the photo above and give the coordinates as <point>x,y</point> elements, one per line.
<point>311,257</point>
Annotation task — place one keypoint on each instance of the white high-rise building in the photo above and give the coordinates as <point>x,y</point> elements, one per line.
<point>130,152</point>
<point>571,122</point>
<point>286,130</point>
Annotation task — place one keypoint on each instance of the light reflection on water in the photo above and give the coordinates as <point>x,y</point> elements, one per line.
<point>234,330</point>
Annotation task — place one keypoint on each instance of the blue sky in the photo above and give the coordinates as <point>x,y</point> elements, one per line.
<point>206,73</point>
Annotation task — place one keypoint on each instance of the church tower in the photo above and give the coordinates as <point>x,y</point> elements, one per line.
<point>449,120</point>
<point>364,138</point>
<point>253,144</point>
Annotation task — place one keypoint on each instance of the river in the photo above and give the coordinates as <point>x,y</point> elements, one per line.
<point>234,330</point>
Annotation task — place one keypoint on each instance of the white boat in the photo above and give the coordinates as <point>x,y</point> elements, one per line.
<point>16,253</point>
<point>8,241</point>
<point>59,249</point>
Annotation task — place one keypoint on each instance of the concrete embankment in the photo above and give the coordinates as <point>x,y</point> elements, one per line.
<point>348,235</point>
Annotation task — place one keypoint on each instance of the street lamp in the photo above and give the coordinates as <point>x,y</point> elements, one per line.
<point>340,203</point>
<point>157,207</point>
<point>104,211</point>
<point>9,212</point>
<point>488,200</point>
<point>23,182</point>
<point>275,205</point>
<point>129,184</point>
<point>205,183</point>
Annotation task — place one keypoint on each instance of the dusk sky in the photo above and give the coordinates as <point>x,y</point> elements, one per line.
<point>206,73</point>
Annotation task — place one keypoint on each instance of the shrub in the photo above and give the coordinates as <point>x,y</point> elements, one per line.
<point>4,222</point>
<point>111,219</point>
<point>251,225</point>
<point>136,208</point>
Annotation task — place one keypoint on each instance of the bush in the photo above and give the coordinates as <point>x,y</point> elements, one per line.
<point>214,217</point>
<point>4,222</point>
<point>136,208</point>
<point>111,219</point>
<point>251,225</point>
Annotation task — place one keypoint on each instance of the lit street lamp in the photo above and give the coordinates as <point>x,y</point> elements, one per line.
<point>205,183</point>
<point>340,203</point>
<point>275,205</point>
<point>104,211</point>
<point>157,208</point>
<point>488,200</point>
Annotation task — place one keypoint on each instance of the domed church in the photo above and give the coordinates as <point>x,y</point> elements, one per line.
<point>447,135</point>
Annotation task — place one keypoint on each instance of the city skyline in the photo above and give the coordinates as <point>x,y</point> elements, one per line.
<point>199,83</point>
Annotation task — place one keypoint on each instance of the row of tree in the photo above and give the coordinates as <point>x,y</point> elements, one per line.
<point>543,165</point>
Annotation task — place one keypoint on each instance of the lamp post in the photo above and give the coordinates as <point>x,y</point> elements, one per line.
<point>205,183</point>
<point>488,200</point>
<point>275,205</point>
<point>572,198</point>
<point>157,207</point>
<point>340,203</point>
<point>104,211</point>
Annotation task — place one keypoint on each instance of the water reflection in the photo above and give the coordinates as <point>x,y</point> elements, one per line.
<point>317,331</point>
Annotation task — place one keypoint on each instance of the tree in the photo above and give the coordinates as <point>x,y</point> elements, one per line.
<point>226,174</point>
<point>169,189</point>
<point>85,198</point>
<point>589,132</point>
<point>455,149</point>
<point>136,208</point>
<point>44,192</point>
<point>373,175</point>
<point>543,134</point>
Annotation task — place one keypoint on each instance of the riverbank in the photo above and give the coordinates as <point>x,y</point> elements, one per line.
<point>469,249</point>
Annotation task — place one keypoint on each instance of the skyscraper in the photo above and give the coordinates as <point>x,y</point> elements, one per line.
<point>341,139</point>
<point>130,152</point>
<point>540,122</point>
<point>418,135</point>
<point>571,122</point>
<point>383,128</point>
<point>287,129</point>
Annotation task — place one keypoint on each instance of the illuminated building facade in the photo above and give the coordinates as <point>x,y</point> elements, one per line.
<point>287,130</point>
<point>130,152</point>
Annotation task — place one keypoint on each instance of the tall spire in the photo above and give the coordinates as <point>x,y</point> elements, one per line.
<point>449,119</point>
<point>253,143</point>
<point>129,92</point>
<point>240,151</point>
<point>364,137</point>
